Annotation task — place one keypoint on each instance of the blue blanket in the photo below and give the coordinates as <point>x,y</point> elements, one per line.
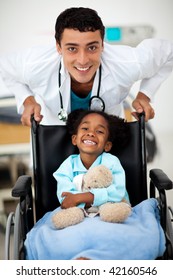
<point>140,237</point>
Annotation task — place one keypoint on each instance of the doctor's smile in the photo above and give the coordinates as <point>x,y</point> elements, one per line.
<point>82,69</point>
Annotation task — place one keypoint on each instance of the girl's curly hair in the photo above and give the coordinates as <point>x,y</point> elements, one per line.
<point>118,129</point>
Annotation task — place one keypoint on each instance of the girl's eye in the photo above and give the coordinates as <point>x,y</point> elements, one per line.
<point>84,128</point>
<point>100,131</point>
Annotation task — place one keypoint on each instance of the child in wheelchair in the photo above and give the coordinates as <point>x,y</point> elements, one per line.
<point>93,132</point>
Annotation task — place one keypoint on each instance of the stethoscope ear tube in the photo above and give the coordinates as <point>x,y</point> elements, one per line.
<point>97,98</point>
<point>62,115</point>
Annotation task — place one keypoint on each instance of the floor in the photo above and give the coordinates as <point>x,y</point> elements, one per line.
<point>162,160</point>
<point>3,215</point>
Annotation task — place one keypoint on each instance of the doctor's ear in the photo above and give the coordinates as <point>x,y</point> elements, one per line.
<point>58,47</point>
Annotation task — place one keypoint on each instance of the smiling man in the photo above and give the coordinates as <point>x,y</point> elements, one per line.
<point>81,52</point>
<point>82,71</point>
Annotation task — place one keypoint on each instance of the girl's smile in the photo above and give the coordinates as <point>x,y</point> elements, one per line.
<point>92,137</point>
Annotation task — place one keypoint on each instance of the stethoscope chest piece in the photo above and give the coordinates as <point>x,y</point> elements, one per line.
<point>62,115</point>
<point>96,103</point>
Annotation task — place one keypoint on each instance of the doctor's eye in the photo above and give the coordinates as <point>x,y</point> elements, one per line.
<point>92,48</point>
<point>71,49</point>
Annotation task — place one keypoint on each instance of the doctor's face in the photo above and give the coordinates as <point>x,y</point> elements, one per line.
<point>81,53</point>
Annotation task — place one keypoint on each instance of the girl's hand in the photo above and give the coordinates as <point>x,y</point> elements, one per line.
<point>72,200</point>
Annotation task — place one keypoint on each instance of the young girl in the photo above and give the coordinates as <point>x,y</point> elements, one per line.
<point>93,132</point>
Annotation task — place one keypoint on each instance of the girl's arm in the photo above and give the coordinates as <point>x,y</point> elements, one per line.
<point>67,193</point>
<point>71,200</point>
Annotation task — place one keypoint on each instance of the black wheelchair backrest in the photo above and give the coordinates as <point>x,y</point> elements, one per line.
<point>52,145</point>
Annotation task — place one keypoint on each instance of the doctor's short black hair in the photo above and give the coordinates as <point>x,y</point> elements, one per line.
<point>82,19</point>
<point>118,129</point>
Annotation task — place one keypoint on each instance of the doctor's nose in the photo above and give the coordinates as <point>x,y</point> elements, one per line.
<point>82,58</point>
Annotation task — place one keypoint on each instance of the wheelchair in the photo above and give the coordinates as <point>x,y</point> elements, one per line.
<point>50,146</point>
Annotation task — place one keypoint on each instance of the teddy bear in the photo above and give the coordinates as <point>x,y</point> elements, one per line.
<point>96,177</point>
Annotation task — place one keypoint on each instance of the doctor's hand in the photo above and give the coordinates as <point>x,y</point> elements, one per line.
<point>142,104</point>
<point>31,107</point>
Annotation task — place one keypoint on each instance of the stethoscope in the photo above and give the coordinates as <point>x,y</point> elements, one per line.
<point>95,102</point>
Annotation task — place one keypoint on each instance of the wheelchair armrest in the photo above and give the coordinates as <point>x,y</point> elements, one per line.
<point>22,186</point>
<point>25,214</point>
<point>160,180</point>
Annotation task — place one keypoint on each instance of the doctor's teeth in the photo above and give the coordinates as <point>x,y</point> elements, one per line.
<point>82,69</point>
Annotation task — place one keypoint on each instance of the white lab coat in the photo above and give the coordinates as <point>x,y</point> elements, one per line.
<point>35,72</point>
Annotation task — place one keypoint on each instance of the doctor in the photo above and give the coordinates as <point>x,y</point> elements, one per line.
<point>81,71</point>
